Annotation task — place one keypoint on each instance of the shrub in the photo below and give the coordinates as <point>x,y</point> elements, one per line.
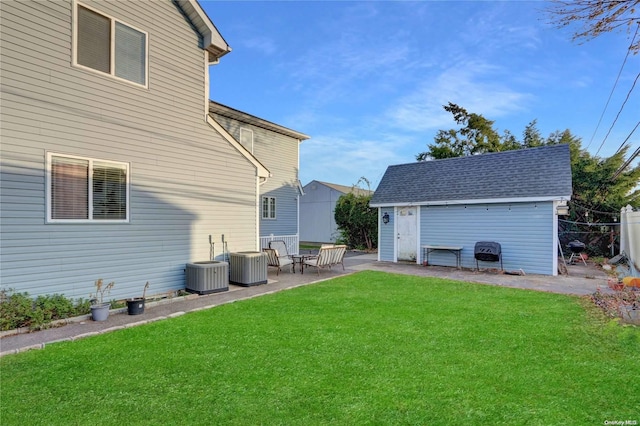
<point>19,310</point>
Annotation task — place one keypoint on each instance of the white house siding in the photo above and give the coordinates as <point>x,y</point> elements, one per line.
<point>524,231</point>
<point>317,213</point>
<point>279,154</point>
<point>386,235</point>
<point>187,182</point>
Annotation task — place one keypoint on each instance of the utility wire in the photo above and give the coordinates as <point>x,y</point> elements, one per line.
<point>626,163</point>
<point>613,89</point>
<point>592,210</point>
<point>617,116</point>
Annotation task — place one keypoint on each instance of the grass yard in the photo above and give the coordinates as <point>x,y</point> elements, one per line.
<point>369,348</point>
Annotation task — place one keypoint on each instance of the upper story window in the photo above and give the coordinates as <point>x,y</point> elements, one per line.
<point>85,189</point>
<point>268,207</point>
<point>246,139</point>
<point>104,44</point>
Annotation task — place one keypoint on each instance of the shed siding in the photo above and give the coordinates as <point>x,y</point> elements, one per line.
<point>524,230</point>
<point>279,154</point>
<point>387,235</point>
<point>187,182</point>
<point>317,213</point>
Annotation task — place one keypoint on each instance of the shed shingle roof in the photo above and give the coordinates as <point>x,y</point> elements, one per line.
<point>543,172</point>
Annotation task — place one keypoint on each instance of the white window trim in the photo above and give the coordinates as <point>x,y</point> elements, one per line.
<point>249,131</point>
<point>91,161</point>
<point>275,202</point>
<point>111,72</point>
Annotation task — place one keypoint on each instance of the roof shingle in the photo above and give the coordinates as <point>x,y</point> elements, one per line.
<point>526,173</point>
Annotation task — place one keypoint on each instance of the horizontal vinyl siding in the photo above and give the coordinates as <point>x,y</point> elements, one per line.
<point>387,235</point>
<point>317,214</point>
<point>279,154</point>
<point>187,182</point>
<point>524,231</point>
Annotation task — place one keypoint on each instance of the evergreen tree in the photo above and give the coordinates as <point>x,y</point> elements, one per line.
<point>357,222</point>
<point>597,196</point>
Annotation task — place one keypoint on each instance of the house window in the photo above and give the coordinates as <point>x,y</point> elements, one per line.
<point>84,189</point>
<point>268,207</point>
<point>110,46</point>
<point>246,139</point>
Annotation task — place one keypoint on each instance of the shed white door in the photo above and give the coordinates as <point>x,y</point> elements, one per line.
<point>407,222</point>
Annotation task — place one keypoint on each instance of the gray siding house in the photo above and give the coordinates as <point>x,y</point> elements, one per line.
<point>110,164</point>
<point>278,149</point>
<point>317,207</point>
<point>508,197</point>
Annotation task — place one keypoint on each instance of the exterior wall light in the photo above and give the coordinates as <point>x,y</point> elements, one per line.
<point>385,218</point>
<point>562,209</point>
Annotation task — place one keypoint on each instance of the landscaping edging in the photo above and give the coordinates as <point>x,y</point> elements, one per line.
<point>87,317</point>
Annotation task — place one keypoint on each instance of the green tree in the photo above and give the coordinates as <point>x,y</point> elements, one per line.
<point>476,136</point>
<point>357,222</point>
<point>532,136</point>
<point>597,195</point>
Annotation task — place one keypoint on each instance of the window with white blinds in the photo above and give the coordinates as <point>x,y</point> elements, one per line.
<point>83,189</point>
<point>110,46</point>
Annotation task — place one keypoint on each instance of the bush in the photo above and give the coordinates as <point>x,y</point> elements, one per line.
<point>19,310</point>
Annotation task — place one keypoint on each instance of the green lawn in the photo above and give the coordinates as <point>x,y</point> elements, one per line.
<point>369,348</point>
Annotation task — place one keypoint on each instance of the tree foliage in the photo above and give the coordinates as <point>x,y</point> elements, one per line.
<point>357,222</point>
<point>598,17</point>
<point>597,197</point>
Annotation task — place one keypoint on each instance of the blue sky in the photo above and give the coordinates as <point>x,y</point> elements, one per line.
<point>367,80</point>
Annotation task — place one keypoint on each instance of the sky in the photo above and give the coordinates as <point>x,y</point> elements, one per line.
<point>367,80</point>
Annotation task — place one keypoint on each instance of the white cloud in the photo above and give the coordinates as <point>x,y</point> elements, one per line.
<point>343,161</point>
<point>264,45</point>
<point>466,85</point>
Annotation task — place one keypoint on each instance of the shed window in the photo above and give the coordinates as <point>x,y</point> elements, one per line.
<point>110,46</point>
<point>268,207</point>
<point>83,189</point>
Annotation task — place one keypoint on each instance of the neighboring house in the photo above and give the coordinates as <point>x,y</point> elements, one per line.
<point>277,148</point>
<point>110,164</point>
<point>317,218</point>
<point>508,197</point>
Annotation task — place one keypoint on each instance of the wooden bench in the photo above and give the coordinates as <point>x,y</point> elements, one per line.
<point>327,257</point>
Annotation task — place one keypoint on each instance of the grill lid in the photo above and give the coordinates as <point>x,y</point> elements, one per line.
<point>576,246</point>
<point>488,251</point>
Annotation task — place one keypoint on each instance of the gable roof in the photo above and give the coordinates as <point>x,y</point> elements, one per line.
<point>342,188</point>
<point>261,170</point>
<point>212,40</point>
<point>533,174</point>
<point>226,111</point>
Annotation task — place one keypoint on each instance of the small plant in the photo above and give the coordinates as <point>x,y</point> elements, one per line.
<point>19,310</point>
<point>116,304</point>
<point>101,290</point>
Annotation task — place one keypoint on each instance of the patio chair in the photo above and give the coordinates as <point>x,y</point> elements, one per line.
<point>327,257</point>
<point>279,246</point>
<point>273,259</point>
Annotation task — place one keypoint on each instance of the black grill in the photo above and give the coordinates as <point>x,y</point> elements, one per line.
<point>488,251</point>
<point>576,246</point>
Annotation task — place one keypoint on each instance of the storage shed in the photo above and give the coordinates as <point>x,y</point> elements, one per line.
<point>317,210</point>
<point>510,197</point>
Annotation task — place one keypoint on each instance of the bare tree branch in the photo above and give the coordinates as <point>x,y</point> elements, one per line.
<point>597,17</point>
